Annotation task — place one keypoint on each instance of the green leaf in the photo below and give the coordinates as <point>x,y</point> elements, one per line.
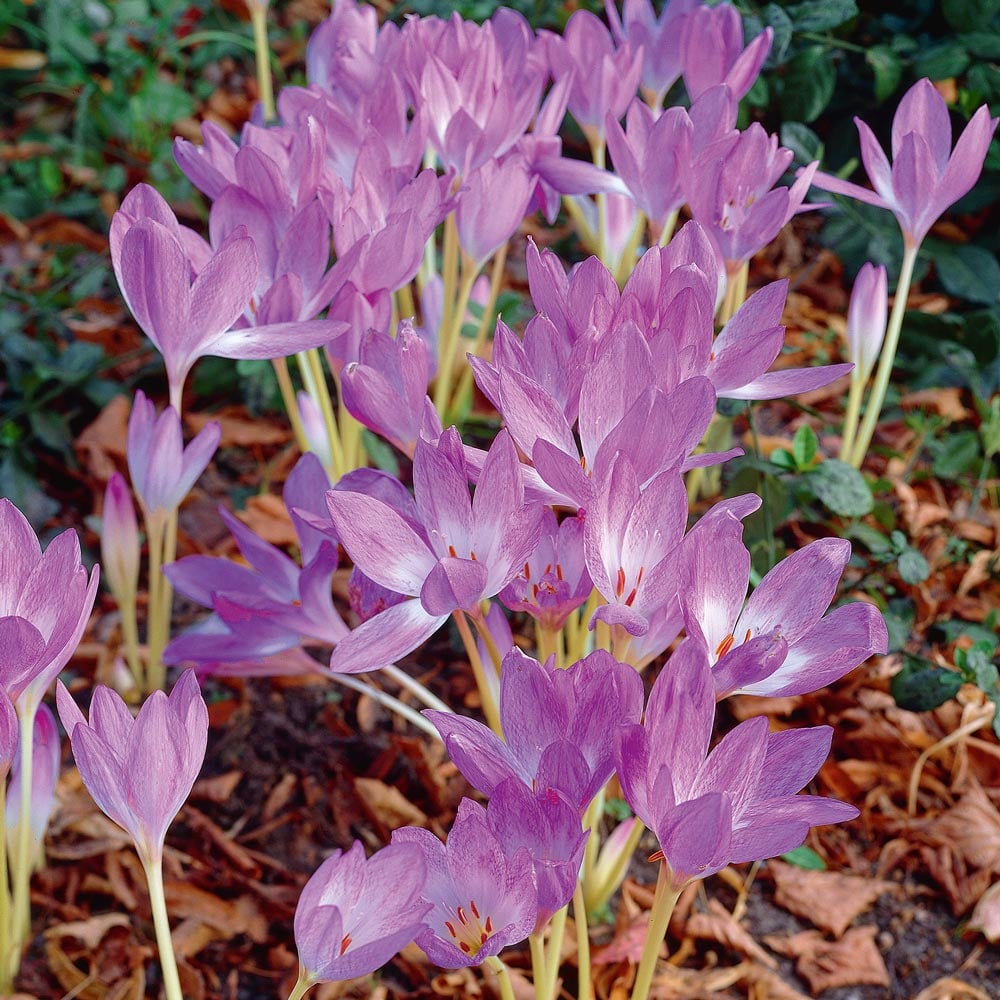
<point>804,446</point>
<point>871,538</point>
<point>984,44</point>
<point>617,809</point>
<point>781,25</point>
<point>841,488</point>
<point>900,616</point>
<point>922,685</point>
<point>805,857</point>
<point>809,83</point>
<point>821,15</point>
<point>967,271</point>
<point>978,666</point>
<point>888,69</point>
<point>380,452</point>
<point>967,15</point>
<point>802,141</point>
<point>783,460</point>
<point>941,61</point>
<point>955,454</point>
<point>913,567</point>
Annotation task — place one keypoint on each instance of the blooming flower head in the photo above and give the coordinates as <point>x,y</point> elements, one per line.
<point>738,803</point>
<point>45,602</point>
<point>482,897</point>
<point>926,175</point>
<point>355,913</point>
<point>559,726</point>
<point>139,770</point>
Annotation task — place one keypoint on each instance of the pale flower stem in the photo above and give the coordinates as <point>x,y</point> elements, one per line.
<point>537,944</point>
<point>503,977</point>
<point>406,305</point>
<point>386,700</point>
<point>315,382</point>
<point>599,155</point>
<point>162,550</point>
<point>280,366</point>
<point>584,989</point>
<point>22,859</point>
<point>586,234</point>
<point>408,683</point>
<point>496,277</point>
<point>852,417</point>
<point>262,52</point>
<point>659,918</point>
<point>302,985</point>
<point>153,868</point>
<point>485,691</point>
<point>130,634</point>
<point>448,350</point>
<point>7,937</point>
<point>668,228</point>
<point>553,955</point>
<point>449,290</point>
<point>886,358</point>
<point>592,819</point>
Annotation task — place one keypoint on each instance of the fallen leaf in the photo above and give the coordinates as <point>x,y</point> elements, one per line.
<point>972,828</point>
<point>218,788</point>
<point>103,441</point>
<point>719,925</point>
<point>854,960</point>
<point>387,804</point>
<point>90,931</point>
<point>625,946</point>
<point>829,900</point>
<point>950,988</point>
<point>239,916</point>
<point>986,916</point>
<point>238,430</point>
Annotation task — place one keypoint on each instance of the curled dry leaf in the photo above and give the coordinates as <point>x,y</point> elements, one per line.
<point>854,960</point>
<point>986,916</point>
<point>828,900</point>
<point>719,925</point>
<point>950,988</point>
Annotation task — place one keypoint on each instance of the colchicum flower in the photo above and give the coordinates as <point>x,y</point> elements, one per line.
<point>738,803</point>
<point>355,913</point>
<point>45,603</point>
<point>926,176</point>
<point>482,897</point>
<point>140,770</point>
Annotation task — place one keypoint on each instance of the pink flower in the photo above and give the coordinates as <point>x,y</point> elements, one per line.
<point>45,602</point>
<point>140,770</point>
<point>355,913</point>
<point>926,175</point>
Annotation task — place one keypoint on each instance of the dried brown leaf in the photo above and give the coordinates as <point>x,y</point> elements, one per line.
<point>719,925</point>
<point>986,916</point>
<point>218,788</point>
<point>854,960</point>
<point>828,900</point>
<point>90,931</point>
<point>972,828</point>
<point>388,804</point>
<point>950,988</point>
<point>239,430</point>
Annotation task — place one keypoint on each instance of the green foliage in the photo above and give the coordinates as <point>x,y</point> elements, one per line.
<point>922,685</point>
<point>841,489</point>
<point>805,857</point>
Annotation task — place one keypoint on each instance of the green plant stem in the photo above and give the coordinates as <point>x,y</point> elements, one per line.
<point>592,819</point>
<point>7,937</point>
<point>153,868</point>
<point>22,859</point>
<point>490,709</point>
<point>496,279</point>
<point>877,397</point>
<point>664,901</point>
<point>668,228</point>
<point>584,989</point>
<point>350,431</point>
<point>453,333</point>
<point>130,633</point>
<point>503,977</point>
<point>161,535</point>
<point>536,942</point>
<point>598,150</point>
<point>587,235</point>
<point>449,286</point>
<point>553,955</point>
<point>262,51</point>
<point>302,985</point>
<point>287,390</point>
<point>852,417</point>
<point>736,292</point>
